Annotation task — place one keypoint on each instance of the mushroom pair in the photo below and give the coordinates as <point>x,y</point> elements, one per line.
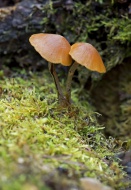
<point>56,49</point>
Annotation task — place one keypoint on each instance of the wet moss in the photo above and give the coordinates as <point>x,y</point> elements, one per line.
<point>40,139</point>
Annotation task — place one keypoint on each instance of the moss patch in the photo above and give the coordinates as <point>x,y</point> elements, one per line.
<point>106,25</point>
<point>39,139</point>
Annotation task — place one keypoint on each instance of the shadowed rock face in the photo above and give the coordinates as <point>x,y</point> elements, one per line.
<point>5,3</point>
<point>18,21</point>
<point>125,160</point>
<point>112,98</point>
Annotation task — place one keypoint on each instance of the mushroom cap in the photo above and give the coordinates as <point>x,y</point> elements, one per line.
<point>86,55</point>
<point>52,47</point>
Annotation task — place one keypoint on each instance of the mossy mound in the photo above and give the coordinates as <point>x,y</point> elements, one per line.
<point>44,145</point>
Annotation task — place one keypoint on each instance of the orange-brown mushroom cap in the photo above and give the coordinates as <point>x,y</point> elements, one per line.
<point>52,47</point>
<point>86,55</point>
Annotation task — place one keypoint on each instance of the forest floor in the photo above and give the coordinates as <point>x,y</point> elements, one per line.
<point>45,146</point>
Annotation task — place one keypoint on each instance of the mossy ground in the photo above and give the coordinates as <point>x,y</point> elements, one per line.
<point>44,145</point>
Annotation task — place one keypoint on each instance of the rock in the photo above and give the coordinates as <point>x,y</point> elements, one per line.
<point>93,184</point>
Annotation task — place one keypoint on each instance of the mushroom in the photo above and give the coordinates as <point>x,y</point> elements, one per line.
<point>86,55</point>
<point>55,49</point>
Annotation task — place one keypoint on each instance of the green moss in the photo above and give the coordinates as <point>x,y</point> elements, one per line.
<point>119,32</point>
<point>106,25</point>
<point>38,136</point>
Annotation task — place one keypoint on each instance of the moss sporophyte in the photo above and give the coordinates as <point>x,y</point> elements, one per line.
<point>56,49</point>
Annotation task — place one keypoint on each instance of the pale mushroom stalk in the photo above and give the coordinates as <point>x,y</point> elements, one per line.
<point>69,81</point>
<point>56,80</point>
<point>55,49</point>
<point>86,55</point>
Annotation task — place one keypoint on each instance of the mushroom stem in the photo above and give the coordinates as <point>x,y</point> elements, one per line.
<point>57,84</point>
<point>69,81</point>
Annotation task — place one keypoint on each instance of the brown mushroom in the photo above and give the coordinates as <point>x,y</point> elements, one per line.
<point>86,55</point>
<point>55,49</point>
